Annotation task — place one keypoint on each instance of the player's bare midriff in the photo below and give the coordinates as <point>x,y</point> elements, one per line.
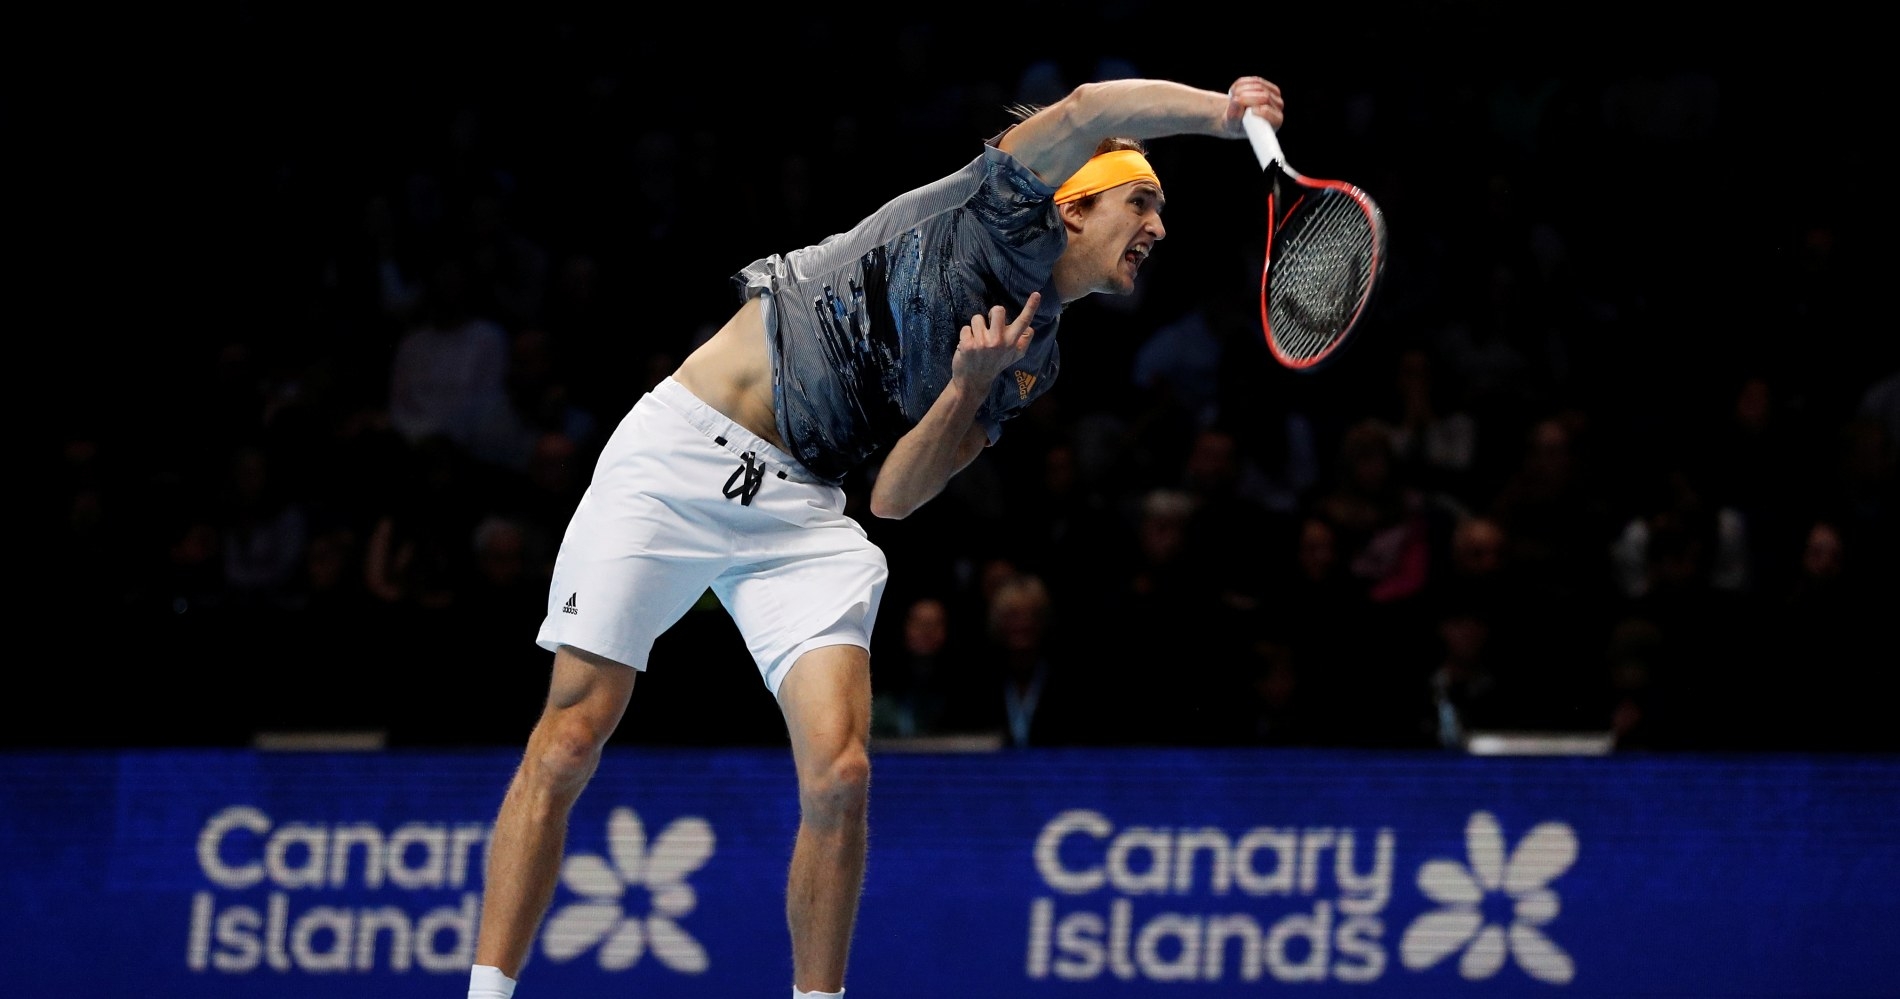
<point>732,372</point>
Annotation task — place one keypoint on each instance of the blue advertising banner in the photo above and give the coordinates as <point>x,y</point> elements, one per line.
<point>1112,873</point>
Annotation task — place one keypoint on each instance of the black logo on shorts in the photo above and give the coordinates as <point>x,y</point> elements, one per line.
<point>569,608</point>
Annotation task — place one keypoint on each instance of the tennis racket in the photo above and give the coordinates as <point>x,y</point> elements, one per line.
<point>1325,254</point>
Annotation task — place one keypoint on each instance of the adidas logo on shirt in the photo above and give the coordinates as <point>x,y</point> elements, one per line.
<point>569,607</point>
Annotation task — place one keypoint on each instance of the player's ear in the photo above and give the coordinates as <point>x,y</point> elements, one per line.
<point>1073,214</point>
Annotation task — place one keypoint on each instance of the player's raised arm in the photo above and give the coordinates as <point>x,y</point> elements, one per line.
<point>1056,140</point>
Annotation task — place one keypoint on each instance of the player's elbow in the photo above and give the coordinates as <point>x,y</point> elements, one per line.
<point>894,497</point>
<point>1084,108</point>
<point>887,507</point>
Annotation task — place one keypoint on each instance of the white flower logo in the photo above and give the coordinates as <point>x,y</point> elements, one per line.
<point>600,918</point>
<point>1546,852</point>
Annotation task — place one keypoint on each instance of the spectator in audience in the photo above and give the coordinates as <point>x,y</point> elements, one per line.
<point>1477,563</point>
<point>1391,531</point>
<point>923,686</point>
<point>1277,704</point>
<point>1035,693</point>
<point>448,377</point>
<point>1064,524</point>
<point>1391,536</point>
<point>262,532</point>
<point>1824,682</point>
<point>332,581</point>
<point>498,579</point>
<point>1750,464</point>
<point>1232,530</point>
<point>416,550</point>
<point>1544,656</point>
<point>541,390</point>
<point>1324,619</point>
<point>1553,509</point>
<point>1434,438</point>
<point>1705,648</point>
<point>1151,597</point>
<point>1467,693</point>
<point>1682,506</point>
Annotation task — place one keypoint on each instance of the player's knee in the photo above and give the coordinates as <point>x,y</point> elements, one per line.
<point>566,750</point>
<point>838,790</point>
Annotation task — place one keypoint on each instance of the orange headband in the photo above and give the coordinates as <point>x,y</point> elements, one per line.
<point>1110,169</point>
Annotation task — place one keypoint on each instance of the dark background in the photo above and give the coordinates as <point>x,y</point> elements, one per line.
<point>1647,211</point>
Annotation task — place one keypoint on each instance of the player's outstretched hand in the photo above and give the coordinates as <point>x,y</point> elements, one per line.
<point>1263,96</point>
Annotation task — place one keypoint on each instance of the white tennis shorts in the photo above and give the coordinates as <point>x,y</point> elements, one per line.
<point>656,529</point>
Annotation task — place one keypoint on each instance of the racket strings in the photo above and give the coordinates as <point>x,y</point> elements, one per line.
<point>1323,265</point>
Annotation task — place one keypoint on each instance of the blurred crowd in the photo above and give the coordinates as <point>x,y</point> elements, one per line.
<point>1605,460</point>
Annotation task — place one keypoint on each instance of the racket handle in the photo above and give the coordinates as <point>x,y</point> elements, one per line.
<point>1266,146</point>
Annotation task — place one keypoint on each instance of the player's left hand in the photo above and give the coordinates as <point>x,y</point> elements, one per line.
<point>989,344</point>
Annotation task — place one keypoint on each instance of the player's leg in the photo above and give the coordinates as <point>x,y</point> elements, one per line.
<point>646,540</point>
<point>587,696</point>
<point>803,586</point>
<point>826,698</point>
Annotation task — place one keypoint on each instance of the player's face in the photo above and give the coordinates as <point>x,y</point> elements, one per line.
<point>1117,235</point>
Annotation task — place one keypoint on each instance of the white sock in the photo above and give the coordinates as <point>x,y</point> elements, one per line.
<point>816,995</point>
<point>487,982</point>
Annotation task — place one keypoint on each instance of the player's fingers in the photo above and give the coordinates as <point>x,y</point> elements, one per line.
<point>1021,330</point>
<point>1252,91</point>
<point>1274,114</point>
<point>1028,315</point>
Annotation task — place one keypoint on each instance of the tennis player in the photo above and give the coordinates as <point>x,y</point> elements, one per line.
<point>911,339</point>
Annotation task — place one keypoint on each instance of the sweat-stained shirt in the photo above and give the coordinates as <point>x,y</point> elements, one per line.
<point>863,326</point>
